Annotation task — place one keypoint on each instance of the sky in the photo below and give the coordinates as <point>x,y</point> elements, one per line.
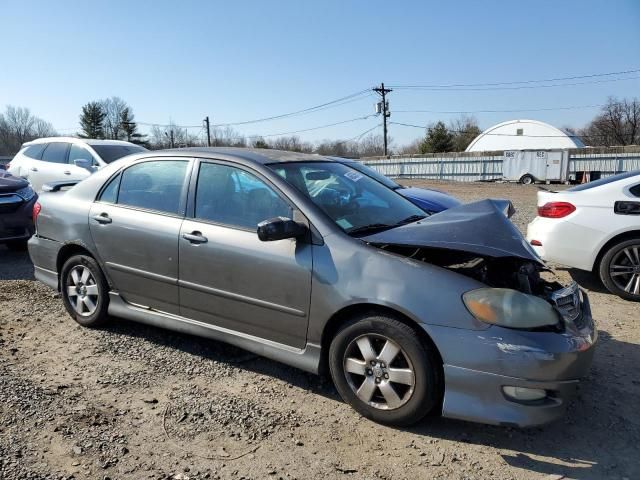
<point>241,60</point>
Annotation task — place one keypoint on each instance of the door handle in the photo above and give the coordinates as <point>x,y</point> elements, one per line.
<point>67,172</point>
<point>195,237</point>
<point>102,218</point>
<point>33,169</point>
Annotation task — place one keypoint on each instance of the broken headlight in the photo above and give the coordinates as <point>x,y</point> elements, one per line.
<point>510,308</point>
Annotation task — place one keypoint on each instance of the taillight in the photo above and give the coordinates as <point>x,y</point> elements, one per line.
<point>36,211</point>
<point>556,209</point>
<point>7,166</point>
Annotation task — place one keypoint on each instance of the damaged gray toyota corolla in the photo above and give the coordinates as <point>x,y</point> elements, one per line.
<point>306,261</point>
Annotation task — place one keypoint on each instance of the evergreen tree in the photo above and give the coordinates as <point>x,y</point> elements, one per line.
<point>130,128</point>
<point>92,121</point>
<point>438,139</point>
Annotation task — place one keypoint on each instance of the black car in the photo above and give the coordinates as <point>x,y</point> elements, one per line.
<point>17,199</point>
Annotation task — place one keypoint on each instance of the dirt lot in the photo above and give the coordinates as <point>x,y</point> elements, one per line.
<point>131,401</point>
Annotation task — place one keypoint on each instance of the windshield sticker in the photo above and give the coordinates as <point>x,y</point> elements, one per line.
<point>344,223</point>
<point>353,176</point>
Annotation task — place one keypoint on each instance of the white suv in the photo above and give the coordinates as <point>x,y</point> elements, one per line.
<point>66,158</point>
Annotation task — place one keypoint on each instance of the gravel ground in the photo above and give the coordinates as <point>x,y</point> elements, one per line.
<point>131,401</point>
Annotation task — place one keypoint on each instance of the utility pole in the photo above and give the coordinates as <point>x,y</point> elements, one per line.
<point>206,122</point>
<point>170,135</point>
<point>384,109</point>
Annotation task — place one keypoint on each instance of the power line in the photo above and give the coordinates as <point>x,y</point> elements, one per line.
<point>521,82</point>
<point>298,112</point>
<point>514,88</point>
<point>575,107</point>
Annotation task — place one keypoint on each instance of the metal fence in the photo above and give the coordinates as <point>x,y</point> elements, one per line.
<point>474,166</point>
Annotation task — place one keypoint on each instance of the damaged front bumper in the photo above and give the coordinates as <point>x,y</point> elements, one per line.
<point>479,364</point>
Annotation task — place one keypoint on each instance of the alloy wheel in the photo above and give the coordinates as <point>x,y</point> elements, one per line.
<point>379,372</point>
<point>82,291</point>
<point>624,269</point>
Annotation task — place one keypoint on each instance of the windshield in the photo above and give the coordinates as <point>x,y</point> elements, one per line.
<point>111,153</point>
<point>356,202</point>
<point>370,172</point>
<point>604,181</point>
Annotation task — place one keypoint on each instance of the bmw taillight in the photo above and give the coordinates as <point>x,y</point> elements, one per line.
<point>556,209</point>
<point>36,211</point>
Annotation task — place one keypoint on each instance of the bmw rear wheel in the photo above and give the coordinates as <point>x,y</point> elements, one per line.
<point>384,370</point>
<point>620,269</point>
<point>84,291</point>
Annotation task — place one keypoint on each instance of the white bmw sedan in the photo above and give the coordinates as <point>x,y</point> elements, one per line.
<point>594,227</point>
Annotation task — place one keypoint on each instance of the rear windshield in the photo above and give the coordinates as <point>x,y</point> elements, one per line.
<point>603,181</point>
<point>111,153</point>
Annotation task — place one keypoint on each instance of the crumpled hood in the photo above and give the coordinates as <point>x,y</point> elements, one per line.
<point>481,228</point>
<point>9,183</point>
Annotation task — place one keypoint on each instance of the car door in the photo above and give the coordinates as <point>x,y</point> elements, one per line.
<point>51,167</point>
<point>228,277</point>
<point>135,225</point>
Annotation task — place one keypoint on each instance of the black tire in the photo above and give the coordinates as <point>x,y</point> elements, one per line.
<point>616,257</point>
<point>88,317</point>
<point>527,179</point>
<point>17,245</point>
<point>420,357</point>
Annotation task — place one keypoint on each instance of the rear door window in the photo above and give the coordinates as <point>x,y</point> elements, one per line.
<point>56,152</point>
<point>35,151</point>
<point>154,185</point>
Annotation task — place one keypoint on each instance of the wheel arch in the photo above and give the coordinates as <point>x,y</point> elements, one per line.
<point>620,237</point>
<point>350,311</point>
<point>68,250</point>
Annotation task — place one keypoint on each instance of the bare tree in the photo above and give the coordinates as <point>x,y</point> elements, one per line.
<point>161,137</point>
<point>227,137</point>
<point>618,123</point>
<point>372,145</point>
<point>292,144</point>
<point>114,108</point>
<point>464,129</point>
<point>18,125</point>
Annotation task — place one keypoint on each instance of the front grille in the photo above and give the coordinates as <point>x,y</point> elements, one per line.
<point>568,301</point>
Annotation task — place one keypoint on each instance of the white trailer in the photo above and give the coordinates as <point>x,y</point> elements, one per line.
<point>530,166</point>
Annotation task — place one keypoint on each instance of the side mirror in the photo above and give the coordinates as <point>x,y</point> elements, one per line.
<point>279,228</point>
<point>83,163</point>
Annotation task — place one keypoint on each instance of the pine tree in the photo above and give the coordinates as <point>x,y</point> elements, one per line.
<point>91,121</point>
<point>439,139</point>
<point>130,128</point>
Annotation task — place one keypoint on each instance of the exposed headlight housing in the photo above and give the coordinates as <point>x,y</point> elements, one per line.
<point>510,308</point>
<point>26,193</point>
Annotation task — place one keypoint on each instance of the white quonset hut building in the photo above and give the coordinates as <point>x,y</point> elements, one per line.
<point>523,135</point>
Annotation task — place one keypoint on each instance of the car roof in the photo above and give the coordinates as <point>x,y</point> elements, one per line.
<point>261,156</point>
<point>87,141</point>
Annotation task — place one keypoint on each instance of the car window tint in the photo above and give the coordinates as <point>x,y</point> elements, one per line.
<point>235,197</point>
<point>155,185</point>
<point>56,152</point>
<point>635,191</point>
<point>76,152</point>
<point>110,192</point>
<point>35,151</point>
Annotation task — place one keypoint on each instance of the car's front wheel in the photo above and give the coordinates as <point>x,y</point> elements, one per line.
<point>84,291</point>
<point>620,269</point>
<point>385,370</point>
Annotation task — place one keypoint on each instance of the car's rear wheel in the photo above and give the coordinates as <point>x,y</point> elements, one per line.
<point>384,370</point>
<point>84,291</point>
<point>527,179</point>
<point>620,269</point>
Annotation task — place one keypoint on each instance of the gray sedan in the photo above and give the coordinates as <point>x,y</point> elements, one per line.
<point>309,262</point>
